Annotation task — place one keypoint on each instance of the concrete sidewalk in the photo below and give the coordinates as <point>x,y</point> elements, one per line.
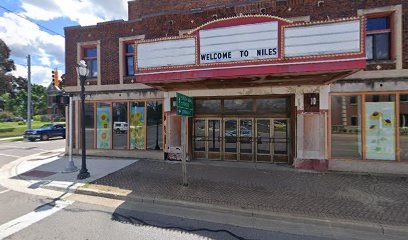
<point>43,173</point>
<point>261,188</point>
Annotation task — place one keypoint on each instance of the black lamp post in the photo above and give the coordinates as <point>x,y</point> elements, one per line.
<point>83,73</point>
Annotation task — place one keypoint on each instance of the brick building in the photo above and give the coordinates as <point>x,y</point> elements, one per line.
<point>322,84</point>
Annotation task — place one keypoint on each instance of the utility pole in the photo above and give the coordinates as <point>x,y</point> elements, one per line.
<point>71,166</point>
<point>29,91</point>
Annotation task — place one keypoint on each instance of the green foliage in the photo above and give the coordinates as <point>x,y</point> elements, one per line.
<point>6,115</point>
<point>44,118</point>
<point>37,118</point>
<point>18,104</point>
<point>21,123</point>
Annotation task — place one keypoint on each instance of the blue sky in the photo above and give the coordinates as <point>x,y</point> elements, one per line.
<point>46,47</point>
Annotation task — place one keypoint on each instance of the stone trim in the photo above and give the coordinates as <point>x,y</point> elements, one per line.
<point>116,87</point>
<point>122,40</point>
<point>397,31</point>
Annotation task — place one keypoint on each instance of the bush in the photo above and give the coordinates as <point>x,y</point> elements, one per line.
<point>37,118</point>
<point>6,115</point>
<point>43,118</point>
<point>62,119</point>
<point>21,123</point>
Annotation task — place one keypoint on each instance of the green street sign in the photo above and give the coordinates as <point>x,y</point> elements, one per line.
<point>184,105</point>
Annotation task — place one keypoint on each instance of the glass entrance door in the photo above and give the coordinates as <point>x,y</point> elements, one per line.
<point>281,140</point>
<point>242,139</point>
<point>199,139</point>
<point>230,139</point>
<point>246,139</point>
<point>214,139</point>
<point>263,140</point>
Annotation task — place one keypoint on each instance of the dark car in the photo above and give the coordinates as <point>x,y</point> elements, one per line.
<point>15,119</point>
<point>45,132</point>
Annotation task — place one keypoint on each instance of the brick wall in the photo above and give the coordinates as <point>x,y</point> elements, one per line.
<point>152,18</point>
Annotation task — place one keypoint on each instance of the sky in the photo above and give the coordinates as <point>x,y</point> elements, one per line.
<point>23,35</point>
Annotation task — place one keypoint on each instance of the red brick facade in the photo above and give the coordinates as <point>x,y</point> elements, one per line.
<point>166,18</point>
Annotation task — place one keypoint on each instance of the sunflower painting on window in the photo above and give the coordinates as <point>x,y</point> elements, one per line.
<point>380,130</point>
<point>103,122</point>
<point>137,126</point>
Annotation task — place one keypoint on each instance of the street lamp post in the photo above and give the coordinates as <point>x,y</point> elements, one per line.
<point>83,73</point>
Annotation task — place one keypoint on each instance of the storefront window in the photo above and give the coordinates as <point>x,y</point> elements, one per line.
<point>238,105</point>
<point>207,106</point>
<point>89,125</point>
<point>137,125</point>
<point>103,125</point>
<point>154,125</point>
<point>346,127</point>
<point>404,126</point>
<point>120,125</point>
<point>272,105</point>
<point>380,127</point>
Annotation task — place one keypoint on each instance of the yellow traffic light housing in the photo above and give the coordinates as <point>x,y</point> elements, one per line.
<point>55,80</point>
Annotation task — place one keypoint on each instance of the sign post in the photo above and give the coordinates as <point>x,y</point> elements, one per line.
<point>184,109</point>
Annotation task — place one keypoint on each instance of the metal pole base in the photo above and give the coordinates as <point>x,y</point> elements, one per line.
<point>83,174</point>
<point>70,168</point>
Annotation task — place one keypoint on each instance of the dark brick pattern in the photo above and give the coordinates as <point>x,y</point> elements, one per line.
<point>152,18</point>
<point>281,190</point>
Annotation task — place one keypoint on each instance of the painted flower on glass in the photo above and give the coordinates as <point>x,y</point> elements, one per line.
<point>387,122</point>
<point>104,136</point>
<point>104,117</point>
<point>132,117</point>
<point>376,115</point>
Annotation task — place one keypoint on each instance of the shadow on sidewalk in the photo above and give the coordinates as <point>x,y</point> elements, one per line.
<point>49,171</point>
<point>349,197</point>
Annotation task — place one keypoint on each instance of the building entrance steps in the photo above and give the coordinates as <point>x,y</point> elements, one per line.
<point>264,188</point>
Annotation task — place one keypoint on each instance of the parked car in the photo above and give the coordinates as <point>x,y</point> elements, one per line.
<point>120,127</point>
<point>45,132</point>
<point>15,119</point>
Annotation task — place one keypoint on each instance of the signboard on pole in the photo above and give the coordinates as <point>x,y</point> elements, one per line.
<point>184,105</point>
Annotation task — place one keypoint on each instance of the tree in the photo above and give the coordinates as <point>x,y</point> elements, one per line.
<point>17,104</point>
<point>9,83</point>
<point>6,66</point>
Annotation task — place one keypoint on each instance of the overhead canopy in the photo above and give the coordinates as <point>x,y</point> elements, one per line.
<point>253,51</point>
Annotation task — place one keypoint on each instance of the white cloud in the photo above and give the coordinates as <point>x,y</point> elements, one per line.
<point>85,12</point>
<point>39,74</point>
<point>24,37</point>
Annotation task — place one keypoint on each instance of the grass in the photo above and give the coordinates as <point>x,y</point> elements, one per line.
<point>12,129</point>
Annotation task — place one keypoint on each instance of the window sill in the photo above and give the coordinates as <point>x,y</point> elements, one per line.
<point>376,62</point>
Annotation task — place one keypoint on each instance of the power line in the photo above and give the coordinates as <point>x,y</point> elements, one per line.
<point>28,19</point>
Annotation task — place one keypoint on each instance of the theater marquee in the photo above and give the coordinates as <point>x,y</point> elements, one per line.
<point>253,45</point>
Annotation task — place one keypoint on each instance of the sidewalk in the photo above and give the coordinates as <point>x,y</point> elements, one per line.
<point>264,188</point>
<point>12,138</point>
<point>43,173</point>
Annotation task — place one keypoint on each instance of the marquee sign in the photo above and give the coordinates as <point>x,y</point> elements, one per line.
<point>239,43</point>
<point>252,45</point>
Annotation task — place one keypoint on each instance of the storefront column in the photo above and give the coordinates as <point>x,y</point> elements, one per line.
<point>311,131</point>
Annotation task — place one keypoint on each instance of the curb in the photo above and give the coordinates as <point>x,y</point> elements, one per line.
<point>258,214</point>
<point>11,139</point>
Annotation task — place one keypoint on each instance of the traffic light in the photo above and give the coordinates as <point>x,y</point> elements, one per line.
<point>55,80</point>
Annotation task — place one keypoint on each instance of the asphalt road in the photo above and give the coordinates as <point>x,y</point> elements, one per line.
<point>10,151</point>
<point>87,221</point>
